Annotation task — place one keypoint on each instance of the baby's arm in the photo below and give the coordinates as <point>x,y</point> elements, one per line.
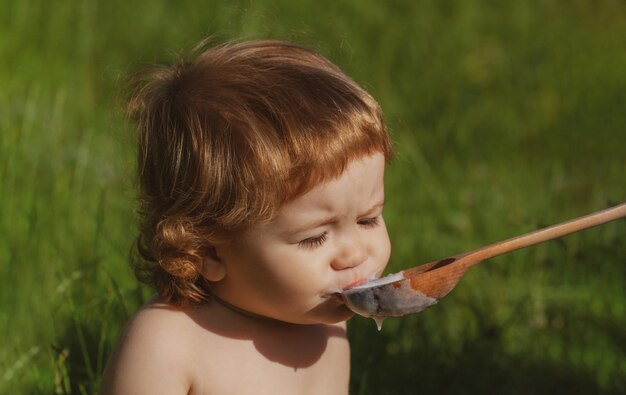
<point>148,358</point>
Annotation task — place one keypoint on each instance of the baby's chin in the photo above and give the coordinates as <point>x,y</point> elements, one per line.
<point>329,310</point>
<point>332,312</point>
<point>344,315</point>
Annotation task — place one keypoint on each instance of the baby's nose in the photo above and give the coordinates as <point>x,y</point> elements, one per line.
<point>352,252</point>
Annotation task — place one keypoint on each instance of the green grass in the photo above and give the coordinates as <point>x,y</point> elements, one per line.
<point>507,116</point>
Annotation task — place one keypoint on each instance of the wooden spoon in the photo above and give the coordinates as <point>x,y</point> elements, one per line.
<point>418,288</point>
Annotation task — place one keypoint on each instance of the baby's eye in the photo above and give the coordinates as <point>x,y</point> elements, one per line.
<point>313,242</point>
<point>369,222</point>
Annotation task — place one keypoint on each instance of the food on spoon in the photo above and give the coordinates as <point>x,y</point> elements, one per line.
<point>385,297</point>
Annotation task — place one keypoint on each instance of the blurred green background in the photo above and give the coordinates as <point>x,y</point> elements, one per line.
<point>507,116</point>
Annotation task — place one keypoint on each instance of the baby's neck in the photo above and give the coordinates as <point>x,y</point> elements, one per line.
<point>245,313</point>
<point>289,344</point>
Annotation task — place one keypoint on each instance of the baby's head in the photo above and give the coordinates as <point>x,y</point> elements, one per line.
<point>229,138</point>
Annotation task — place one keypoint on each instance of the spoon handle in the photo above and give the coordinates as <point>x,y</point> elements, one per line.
<point>552,232</point>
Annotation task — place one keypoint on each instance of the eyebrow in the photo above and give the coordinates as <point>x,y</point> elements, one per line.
<point>330,219</point>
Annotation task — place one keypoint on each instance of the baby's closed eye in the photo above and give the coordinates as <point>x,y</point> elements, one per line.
<point>315,241</point>
<point>369,222</point>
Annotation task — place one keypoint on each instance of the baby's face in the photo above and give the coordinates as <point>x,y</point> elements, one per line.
<point>329,239</point>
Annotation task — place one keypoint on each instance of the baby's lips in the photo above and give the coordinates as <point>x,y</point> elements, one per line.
<point>362,281</point>
<point>355,284</point>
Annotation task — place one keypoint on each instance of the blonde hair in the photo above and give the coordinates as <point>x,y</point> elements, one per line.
<point>226,139</point>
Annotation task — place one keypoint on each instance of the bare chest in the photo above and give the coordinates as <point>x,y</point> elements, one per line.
<point>240,366</point>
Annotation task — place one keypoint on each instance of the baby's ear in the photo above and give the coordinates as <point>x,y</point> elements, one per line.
<point>213,269</point>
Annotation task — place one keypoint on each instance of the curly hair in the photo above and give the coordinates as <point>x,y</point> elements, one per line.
<point>226,139</point>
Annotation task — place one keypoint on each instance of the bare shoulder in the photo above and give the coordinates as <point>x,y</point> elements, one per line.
<point>152,353</point>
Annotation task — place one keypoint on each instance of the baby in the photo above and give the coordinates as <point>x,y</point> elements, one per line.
<point>261,171</point>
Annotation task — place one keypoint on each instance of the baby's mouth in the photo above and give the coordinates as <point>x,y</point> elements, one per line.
<point>336,292</point>
<point>362,281</point>
<point>355,284</point>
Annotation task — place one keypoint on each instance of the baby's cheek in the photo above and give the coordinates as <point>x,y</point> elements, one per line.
<point>383,249</point>
<point>386,254</point>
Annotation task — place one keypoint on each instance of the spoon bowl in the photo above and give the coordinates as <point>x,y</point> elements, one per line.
<point>416,289</point>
